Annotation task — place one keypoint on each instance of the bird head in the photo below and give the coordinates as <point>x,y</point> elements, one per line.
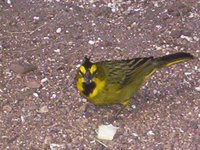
<point>87,70</point>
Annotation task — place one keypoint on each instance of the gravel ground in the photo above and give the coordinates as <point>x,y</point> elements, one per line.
<point>41,45</point>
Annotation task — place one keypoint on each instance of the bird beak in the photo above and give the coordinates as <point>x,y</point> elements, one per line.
<point>88,77</point>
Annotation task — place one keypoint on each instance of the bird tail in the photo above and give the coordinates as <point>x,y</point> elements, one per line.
<point>172,59</point>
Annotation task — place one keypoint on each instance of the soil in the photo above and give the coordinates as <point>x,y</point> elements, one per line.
<point>43,42</point>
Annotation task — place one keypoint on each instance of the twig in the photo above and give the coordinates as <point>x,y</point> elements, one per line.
<point>101,142</point>
<point>31,32</point>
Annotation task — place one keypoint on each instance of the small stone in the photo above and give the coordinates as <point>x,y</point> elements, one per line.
<point>187,38</point>
<point>47,140</point>
<point>83,108</point>
<point>46,38</point>
<point>135,134</point>
<point>36,18</point>
<point>43,109</point>
<point>196,38</point>
<point>54,146</point>
<point>44,80</point>
<point>17,68</point>
<point>57,50</point>
<point>58,30</point>
<point>77,66</point>
<point>7,108</point>
<point>188,73</point>
<point>33,84</point>
<point>197,89</point>
<point>91,42</point>
<point>22,68</point>
<point>176,33</point>
<point>9,2</point>
<point>133,106</point>
<point>36,95</point>
<point>22,119</point>
<point>53,96</point>
<point>155,91</point>
<point>150,133</point>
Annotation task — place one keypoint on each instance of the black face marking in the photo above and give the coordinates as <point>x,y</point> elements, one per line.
<point>88,88</point>
<point>81,73</point>
<point>87,63</point>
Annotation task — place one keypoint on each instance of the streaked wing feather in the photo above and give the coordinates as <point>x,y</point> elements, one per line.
<point>121,72</point>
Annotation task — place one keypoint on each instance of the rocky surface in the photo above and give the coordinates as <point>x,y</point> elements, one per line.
<point>43,42</point>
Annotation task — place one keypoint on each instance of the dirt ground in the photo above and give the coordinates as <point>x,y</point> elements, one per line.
<point>41,45</point>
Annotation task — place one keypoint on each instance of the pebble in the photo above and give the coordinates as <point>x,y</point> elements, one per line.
<point>54,146</point>
<point>36,95</point>
<point>46,38</point>
<point>44,80</point>
<point>22,119</point>
<point>188,73</point>
<point>58,30</point>
<point>91,42</point>
<point>135,134</point>
<point>155,91</point>
<point>22,68</point>
<point>47,140</point>
<point>53,96</point>
<point>150,133</point>
<point>36,18</point>
<point>33,84</point>
<point>197,89</point>
<point>77,66</point>
<point>187,38</point>
<point>133,106</point>
<point>57,50</point>
<point>43,109</point>
<point>9,2</point>
<point>7,108</point>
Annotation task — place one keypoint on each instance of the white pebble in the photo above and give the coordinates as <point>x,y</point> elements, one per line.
<point>150,133</point>
<point>53,96</point>
<point>58,30</point>
<point>77,66</point>
<point>44,80</point>
<point>57,50</point>
<point>197,89</point>
<point>135,134</point>
<point>54,146</point>
<point>188,73</point>
<point>196,38</point>
<point>9,2</point>
<point>43,109</point>
<point>46,38</point>
<point>91,42</point>
<point>22,119</point>
<point>36,95</point>
<point>133,106</point>
<point>36,18</point>
<point>187,38</point>
<point>84,100</point>
<point>155,91</point>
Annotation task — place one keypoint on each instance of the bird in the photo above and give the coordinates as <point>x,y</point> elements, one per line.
<point>116,81</point>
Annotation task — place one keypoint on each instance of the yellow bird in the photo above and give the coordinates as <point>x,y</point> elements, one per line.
<point>116,81</point>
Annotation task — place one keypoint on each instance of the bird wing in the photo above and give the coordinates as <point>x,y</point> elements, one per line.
<point>121,72</point>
